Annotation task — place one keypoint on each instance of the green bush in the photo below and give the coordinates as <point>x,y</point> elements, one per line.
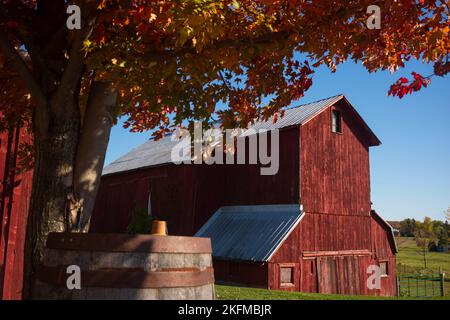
<point>141,222</point>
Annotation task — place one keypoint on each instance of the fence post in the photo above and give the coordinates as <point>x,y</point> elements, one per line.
<point>398,286</point>
<point>417,286</point>
<point>425,285</point>
<point>409,290</point>
<point>442,284</point>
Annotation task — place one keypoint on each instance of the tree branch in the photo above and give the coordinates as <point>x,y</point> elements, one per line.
<point>22,69</point>
<point>16,11</point>
<point>36,57</point>
<point>225,82</point>
<point>227,43</point>
<point>75,65</point>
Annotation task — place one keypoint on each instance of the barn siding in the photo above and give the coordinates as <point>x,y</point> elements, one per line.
<point>171,189</point>
<point>344,274</point>
<point>188,195</point>
<point>246,186</point>
<point>320,232</point>
<point>383,249</point>
<point>335,194</point>
<point>15,193</point>
<point>335,177</point>
<point>242,273</point>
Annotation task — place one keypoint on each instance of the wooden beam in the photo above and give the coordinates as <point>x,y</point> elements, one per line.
<point>307,254</point>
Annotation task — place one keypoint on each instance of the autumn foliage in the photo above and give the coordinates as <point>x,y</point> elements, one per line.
<point>174,61</point>
<point>403,86</point>
<point>163,64</point>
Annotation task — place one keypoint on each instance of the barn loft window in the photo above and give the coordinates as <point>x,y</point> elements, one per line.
<point>384,268</point>
<point>336,121</point>
<point>286,276</point>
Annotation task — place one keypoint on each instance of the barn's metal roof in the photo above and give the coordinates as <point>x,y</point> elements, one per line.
<point>154,153</point>
<point>250,233</point>
<point>150,153</point>
<point>297,115</point>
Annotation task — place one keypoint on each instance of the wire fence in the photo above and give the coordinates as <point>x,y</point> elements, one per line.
<point>421,285</point>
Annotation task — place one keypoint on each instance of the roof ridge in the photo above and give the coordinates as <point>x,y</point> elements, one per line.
<point>313,102</point>
<point>287,108</point>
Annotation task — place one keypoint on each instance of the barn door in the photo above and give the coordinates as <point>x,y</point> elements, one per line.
<point>349,273</point>
<point>309,275</point>
<point>339,275</point>
<point>328,275</point>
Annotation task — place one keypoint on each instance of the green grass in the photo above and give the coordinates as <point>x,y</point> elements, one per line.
<point>409,260</point>
<point>244,293</point>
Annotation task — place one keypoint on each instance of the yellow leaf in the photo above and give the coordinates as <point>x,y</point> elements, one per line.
<point>87,43</point>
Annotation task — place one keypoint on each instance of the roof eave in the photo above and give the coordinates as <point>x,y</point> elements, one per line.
<point>373,139</point>
<point>374,213</point>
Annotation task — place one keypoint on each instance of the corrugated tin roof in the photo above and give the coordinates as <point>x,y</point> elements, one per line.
<point>153,153</point>
<point>250,233</point>
<point>297,115</point>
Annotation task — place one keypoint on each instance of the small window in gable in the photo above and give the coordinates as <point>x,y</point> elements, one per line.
<point>336,121</point>
<point>384,268</point>
<point>286,276</point>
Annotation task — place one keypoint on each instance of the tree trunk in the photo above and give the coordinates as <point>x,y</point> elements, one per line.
<point>52,183</point>
<point>67,172</point>
<point>91,151</point>
<point>58,64</point>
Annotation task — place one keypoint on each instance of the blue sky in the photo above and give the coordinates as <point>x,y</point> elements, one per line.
<point>410,171</point>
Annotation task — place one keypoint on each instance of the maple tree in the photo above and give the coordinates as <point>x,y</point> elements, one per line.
<point>162,63</point>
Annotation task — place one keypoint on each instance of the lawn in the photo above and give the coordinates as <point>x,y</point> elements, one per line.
<point>243,293</point>
<point>409,260</point>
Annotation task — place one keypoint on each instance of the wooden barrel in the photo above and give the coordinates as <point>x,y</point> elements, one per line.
<point>129,267</point>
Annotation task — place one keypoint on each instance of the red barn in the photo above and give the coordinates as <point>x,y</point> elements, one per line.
<point>15,190</point>
<point>328,241</point>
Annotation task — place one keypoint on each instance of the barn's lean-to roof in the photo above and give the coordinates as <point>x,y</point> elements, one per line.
<point>250,233</point>
<point>156,153</point>
<point>391,235</point>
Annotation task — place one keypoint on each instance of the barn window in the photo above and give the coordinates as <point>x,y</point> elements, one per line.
<point>336,121</point>
<point>384,268</point>
<point>286,276</point>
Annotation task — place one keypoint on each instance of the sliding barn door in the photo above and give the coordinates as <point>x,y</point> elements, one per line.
<point>327,274</point>
<point>350,274</point>
<point>340,275</point>
<point>309,275</point>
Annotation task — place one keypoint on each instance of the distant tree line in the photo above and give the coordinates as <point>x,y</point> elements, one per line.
<point>431,233</point>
